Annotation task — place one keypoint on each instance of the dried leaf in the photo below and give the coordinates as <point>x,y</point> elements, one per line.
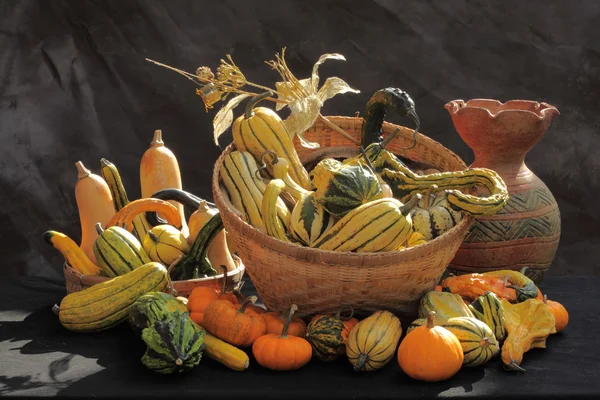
<point>285,93</point>
<point>334,86</point>
<point>322,59</point>
<point>304,112</point>
<point>224,117</point>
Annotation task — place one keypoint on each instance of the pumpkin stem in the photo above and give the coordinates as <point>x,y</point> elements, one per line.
<point>249,299</point>
<point>288,319</point>
<point>412,203</point>
<point>253,101</point>
<point>362,360</point>
<point>157,139</point>
<point>224,284</point>
<point>99,228</point>
<point>430,319</point>
<point>82,171</point>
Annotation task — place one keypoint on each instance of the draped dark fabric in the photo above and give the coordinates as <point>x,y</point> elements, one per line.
<point>75,86</point>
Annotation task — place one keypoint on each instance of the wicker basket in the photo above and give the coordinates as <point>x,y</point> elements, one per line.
<point>75,281</point>
<point>319,281</point>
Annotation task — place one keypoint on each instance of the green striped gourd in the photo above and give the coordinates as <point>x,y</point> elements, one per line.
<point>240,176</point>
<point>309,220</point>
<point>488,309</point>
<point>433,215</point>
<point>153,307</point>
<point>380,225</point>
<point>118,251</point>
<point>342,187</point>
<point>325,335</point>
<point>405,183</point>
<point>107,303</point>
<point>259,130</point>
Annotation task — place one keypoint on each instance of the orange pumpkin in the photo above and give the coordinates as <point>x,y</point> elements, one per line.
<point>430,353</point>
<point>202,296</point>
<point>234,324</point>
<point>238,293</point>
<point>282,352</point>
<point>561,316</point>
<point>276,323</point>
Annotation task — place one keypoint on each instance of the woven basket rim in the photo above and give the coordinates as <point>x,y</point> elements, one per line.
<point>371,259</point>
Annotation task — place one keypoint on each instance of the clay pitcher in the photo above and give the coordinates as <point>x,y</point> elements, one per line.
<point>526,232</point>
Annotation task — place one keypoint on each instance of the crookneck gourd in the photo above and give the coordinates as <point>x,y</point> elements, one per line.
<point>528,325</point>
<point>404,182</point>
<point>309,219</point>
<point>506,284</point>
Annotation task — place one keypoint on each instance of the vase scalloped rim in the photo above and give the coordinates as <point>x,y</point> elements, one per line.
<point>494,108</point>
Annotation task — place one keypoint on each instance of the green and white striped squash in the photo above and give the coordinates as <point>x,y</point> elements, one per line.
<point>342,187</point>
<point>433,215</point>
<point>325,335</point>
<point>478,342</point>
<point>488,309</point>
<point>118,252</point>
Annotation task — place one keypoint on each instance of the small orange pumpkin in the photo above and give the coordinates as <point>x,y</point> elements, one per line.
<point>276,322</point>
<point>238,293</point>
<point>561,316</point>
<point>234,324</point>
<point>430,353</point>
<point>282,352</point>
<point>202,296</point>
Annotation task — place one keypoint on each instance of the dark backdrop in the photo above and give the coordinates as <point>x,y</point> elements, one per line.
<point>74,86</point>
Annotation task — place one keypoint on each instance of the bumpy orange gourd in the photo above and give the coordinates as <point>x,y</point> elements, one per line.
<point>218,249</point>
<point>282,352</point>
<point>159,170</point>
<point>202,296</point>
<point>430,353</point>
<point>95,204</point>
<point>561,316</point>
<point>276,322</point>
<point>233,323</point>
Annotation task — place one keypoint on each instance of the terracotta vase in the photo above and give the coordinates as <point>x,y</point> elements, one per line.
<point>526,232</point>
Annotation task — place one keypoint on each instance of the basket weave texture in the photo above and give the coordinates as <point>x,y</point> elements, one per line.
<point>76,281</point>
<point>319,281</point>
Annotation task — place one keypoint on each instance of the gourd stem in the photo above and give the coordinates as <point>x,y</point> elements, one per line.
<point>514,366</point>
<point>428,194</point>
<point>546,299</point>
<point>99,228</point>
<point>430,319</point>
<point>249,299</point>
<point>288,319</point>
<point>104,162</point>
<point>56,309</point>
<point>361,361</point>
<point>153,236</point>
<point>224,284</point>
<point>203,206</point>
<point>253,101</point>
<point>157,139</point>
<point>412,203</point>
<point>82,171</point>
<point>339,312</point>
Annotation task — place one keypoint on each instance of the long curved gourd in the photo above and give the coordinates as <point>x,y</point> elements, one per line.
<point>159,169</point>
<point>380,225</point>
<point>111,175</point>
<point>240,177</point>
<point>404,182</point>
<point>309,220</point>
<point>259,130</point>
<point>94,204</point>
<point>125,216</point>
<point>72,253</point>
<point>107,304</point>
<point>270,219</point>
<point>189,201</point>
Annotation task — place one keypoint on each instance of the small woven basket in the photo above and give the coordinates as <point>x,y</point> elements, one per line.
<point>76,281</point>
<point>319,281</point>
